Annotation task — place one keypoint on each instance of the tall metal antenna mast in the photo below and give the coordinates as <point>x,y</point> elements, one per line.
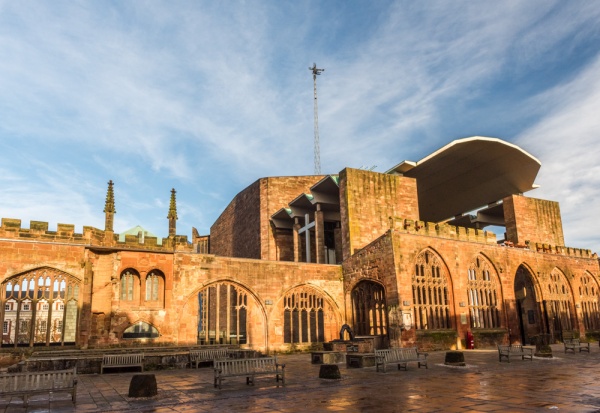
<point>315,73</point>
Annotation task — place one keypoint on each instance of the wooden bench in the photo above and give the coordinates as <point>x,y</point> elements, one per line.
<point>572,342</point>
<point>249,368</point>
<point>122,360</point>
<point>33,383</point>
<point>575,344</point>
<point>198,356</point>
<point>514,350</point>
<point>402,356</point>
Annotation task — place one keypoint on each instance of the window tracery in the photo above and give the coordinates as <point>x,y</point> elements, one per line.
<point>588,295</point>
<point>303,316</point>
<point>558,301</point>
<point>155,282</point>
<point>482,292</point>
<point>430,293</point>
<point>43,308</point>
<point>369,308</point>
<point>130,281</point>
<point>223,310</point>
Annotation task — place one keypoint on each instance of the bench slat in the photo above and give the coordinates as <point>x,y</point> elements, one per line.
<point>402,356</point>
<point>248,368</point>
<point>122,360</point>
<point>31,383</point>
<point>506,351</point>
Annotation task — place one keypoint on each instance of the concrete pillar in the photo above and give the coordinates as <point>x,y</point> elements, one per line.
<point>319,235</point>
<point>296,237</point>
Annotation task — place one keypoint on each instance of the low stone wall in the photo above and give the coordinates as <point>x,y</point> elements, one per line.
<point>89,361</point>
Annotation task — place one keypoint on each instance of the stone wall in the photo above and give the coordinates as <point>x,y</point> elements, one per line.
<point>277,193</point>
<point>65,233</point>
<point>236,233</point>
<point>391,260</point>
<point>244,229</point>
<point>368,200</point>
<point>531,220</point>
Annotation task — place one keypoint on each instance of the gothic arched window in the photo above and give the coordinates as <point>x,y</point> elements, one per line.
<point>369,308</point>
<point>430,293</point>
<point>303,320</point>
<point>588,293</point>
<point>482,292</point>
<point>223,309</point>
<point>558,301</point>
<point>39,307</point>
<point>155,286</point>
<point>130,284</point>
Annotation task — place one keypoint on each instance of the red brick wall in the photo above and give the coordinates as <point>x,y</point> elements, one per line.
<point>534,220</point>
<point>368,200</point>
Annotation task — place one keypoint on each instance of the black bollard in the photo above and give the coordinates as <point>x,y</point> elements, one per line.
<point>143,385</point>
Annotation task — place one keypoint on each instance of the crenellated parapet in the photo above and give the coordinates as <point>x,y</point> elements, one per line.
<point>431,229</point>
<point>65,233</point>
<point>562,250</point>
<point>457,233</point>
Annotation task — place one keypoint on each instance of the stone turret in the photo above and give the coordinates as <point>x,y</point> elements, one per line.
<point>109,208</point>
<point>172,216</point>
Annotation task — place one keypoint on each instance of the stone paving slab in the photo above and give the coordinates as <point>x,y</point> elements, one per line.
<point>565,383</point>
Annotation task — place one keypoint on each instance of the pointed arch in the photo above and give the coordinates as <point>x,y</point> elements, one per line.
<point>484,294</point>
<point>558,302</point>
<point>530,313</point>
<point>40,307</point>
<point>225,309</point>
<point>155,288</point>
<point>369,308</point>
<point>305,311</point>
<point>141,329</point>
<point>432,296</point>
<point>588,296</point>
<point>130,286</point>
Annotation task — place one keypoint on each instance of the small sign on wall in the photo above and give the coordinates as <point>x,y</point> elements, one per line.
<point>407,320</point>
<point>463,318</point>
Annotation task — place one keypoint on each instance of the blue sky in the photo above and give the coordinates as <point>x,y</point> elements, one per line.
<point>208,96</point>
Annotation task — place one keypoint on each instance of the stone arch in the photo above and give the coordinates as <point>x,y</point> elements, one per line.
<point>140,329</point>
<point>558,305</point>
<point>528,296</point>
<point>369,308</point>
<point>432,292</point>
<point>484,294</point>
<point>589,292</point>
<point>154,282</point>
<point>129,286</point>
<point>40,307</point>
<point>224,312</point>
<point>303,316</point>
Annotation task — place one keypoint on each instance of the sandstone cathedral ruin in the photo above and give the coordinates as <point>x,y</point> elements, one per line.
<point>402,256</point>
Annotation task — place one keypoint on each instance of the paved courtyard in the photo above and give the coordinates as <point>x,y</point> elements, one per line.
<point>566,383</point>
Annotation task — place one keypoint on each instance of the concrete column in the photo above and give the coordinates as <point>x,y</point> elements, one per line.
<point>296,238</point>
<point>319,235</point>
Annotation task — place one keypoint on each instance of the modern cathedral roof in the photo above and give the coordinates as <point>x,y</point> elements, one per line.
<point>468,174</point>
<point>463,176</point>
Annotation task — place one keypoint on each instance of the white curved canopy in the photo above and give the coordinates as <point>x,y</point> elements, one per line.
<point>468,174</point>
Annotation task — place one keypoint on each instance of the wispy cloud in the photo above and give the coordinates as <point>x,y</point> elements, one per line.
<point>207,97</point>
<point>566,139</point>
